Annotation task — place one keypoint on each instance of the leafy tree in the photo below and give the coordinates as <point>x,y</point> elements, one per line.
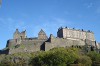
<point>84,60</point>
<point>55,57</point>
<point>95,57</point>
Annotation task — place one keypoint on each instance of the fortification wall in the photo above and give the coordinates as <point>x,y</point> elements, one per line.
<point>90,36</point>
<point>77,34</point>
<point>25,48</point>
<point>90,43</point>
<point>61,42</point>
<point>28,46</point>
<point>34,41</point>
<point>11,43</point>
<point>65,38</point>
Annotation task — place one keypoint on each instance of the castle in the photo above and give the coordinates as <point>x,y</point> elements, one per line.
<point>66,37</point>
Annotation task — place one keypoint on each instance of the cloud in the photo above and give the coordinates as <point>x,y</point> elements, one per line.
<point>12,24</point>
<point>89,5</point>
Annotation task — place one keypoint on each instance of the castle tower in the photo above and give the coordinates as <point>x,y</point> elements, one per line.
<point>60,33</point>
<point>16,34</point>
<point>23,34</point>
<point>42,35</point>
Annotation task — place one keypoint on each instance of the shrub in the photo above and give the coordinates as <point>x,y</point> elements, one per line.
<point>84,61</point>
<point>55,57</point>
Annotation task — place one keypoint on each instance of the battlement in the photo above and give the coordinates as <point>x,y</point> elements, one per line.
<point>82,30</point>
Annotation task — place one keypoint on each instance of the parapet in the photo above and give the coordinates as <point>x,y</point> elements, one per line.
<point>75,33</point>
<point>75,29</point>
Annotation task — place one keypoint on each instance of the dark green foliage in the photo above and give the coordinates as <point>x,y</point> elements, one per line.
<point>54,57</point>
<point>95,57</point>
<point>84,60</point>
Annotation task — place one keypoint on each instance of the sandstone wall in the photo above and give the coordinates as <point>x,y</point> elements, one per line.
<point>75,34</point>
<point>11,43</point>
<point>62,42</point>
<point>28,45</point>
<point>25,48</point>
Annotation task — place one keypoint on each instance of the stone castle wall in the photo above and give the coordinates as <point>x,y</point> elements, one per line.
<point>75,34</point>
<point>11,42</point>
<point>25,48</point>
<point>62,42</point>
<point>26,45</point>
<point>65,38</point>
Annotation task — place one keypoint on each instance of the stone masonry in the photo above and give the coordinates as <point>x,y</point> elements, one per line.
<point>66,37</point>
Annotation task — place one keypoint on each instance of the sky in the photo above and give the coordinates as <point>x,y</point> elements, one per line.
<point>49,15</point>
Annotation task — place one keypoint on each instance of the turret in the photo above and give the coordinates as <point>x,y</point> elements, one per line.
<point>16,34</point>
<point>23,34</point>
<point>42,35</point>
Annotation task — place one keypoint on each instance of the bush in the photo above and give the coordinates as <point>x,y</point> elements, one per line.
<point>95,57</point>
<point>55,57</point>
<point>84,61</point>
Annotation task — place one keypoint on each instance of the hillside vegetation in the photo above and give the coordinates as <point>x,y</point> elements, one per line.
<point>54,57</point>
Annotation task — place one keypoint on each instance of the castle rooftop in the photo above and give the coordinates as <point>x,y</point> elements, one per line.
<point>76,29</point>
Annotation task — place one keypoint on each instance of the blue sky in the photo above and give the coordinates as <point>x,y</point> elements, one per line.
<point>48,15</point>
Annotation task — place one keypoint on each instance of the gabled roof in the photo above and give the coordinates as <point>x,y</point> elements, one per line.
<point>23,31</point>
<point>42,32</point>
<point>17,32</point>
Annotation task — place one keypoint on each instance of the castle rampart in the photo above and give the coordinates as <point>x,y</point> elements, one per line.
<point>65,38</point>
<point>62,42</point>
